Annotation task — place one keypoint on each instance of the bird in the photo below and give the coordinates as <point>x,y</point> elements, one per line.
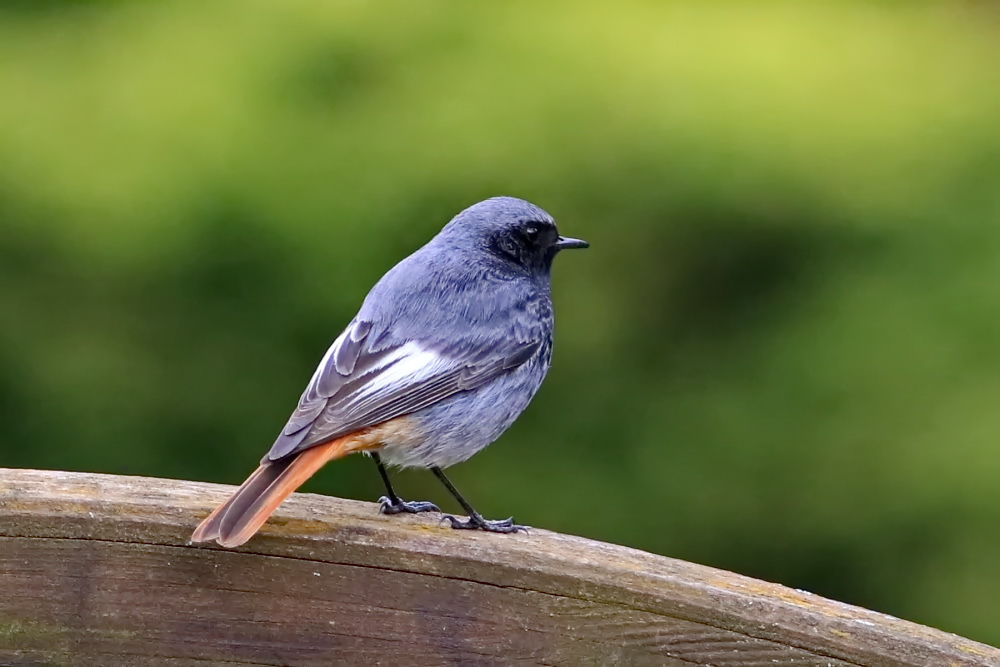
<point>446,351</point>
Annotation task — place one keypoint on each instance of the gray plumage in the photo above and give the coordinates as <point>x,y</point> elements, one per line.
<point>447,350</point>
<point>458,336</point>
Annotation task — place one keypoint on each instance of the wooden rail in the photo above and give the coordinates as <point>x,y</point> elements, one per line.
<point>96,570</point>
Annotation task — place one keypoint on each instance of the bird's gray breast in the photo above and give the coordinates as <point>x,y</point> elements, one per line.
<point>456,428</point>
<point>480,310</point>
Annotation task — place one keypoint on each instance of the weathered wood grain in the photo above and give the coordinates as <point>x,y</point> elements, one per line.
<point>95,570</point>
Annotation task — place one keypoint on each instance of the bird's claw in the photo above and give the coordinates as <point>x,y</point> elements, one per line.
<point>387,505</point>
<point>476,522</point>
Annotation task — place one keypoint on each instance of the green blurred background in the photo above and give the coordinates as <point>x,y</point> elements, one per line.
<point>780,355</point>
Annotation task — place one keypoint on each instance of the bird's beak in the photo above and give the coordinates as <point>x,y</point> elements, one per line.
<point>565,243</point>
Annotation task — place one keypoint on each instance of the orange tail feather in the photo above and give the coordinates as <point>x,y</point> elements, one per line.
<point>237,520</point>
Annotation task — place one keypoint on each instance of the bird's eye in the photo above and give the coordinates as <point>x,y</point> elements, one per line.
<point>531,232</point>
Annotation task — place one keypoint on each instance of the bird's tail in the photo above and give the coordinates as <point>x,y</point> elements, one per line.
<point>235,521</point>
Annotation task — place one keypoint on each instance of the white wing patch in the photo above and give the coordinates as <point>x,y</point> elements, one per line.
<point>406,365</point>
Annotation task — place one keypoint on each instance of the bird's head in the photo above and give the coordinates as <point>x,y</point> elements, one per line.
<point>510,229</point>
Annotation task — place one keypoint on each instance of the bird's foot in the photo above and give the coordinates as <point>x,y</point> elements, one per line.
<point>387,505</point>
<point>476,522</point>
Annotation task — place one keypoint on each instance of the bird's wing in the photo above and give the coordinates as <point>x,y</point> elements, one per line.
<point>360,382</point>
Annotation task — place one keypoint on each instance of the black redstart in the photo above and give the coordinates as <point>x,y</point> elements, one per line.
<point>447,350</point>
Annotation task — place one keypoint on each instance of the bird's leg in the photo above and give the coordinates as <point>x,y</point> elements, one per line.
<point>393,504</point>
<point>475,520</point>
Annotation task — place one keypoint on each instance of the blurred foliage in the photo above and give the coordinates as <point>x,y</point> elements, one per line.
<point>780,355</point>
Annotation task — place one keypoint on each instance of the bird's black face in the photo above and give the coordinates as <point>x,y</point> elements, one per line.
<point>532,242</point>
